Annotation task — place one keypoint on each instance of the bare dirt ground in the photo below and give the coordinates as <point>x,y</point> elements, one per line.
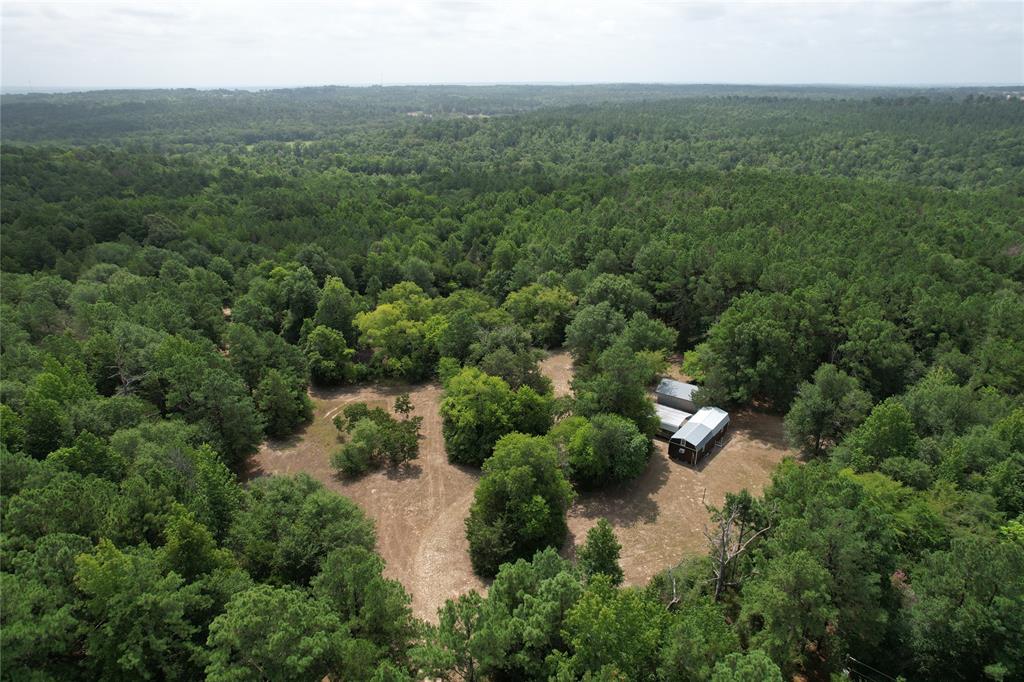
<point>420,511</point>
<point>659,518</point>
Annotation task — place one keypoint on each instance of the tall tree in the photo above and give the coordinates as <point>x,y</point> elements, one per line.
<point>825,410</point>
<point>519,505</point>
<point>276,633</point>
<point>600,553</point>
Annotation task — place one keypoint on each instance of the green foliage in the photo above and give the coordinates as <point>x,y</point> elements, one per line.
<point>397,332</point>
<point>177,265</point>
<point>283,403</point>
<point>543,311</point>
<point>962,611</point>
<point>449,650</point>
<point>789,611</point>
<point>287,525</point>
<point>478,409</point>
<point>336,308</point>
<point>621,293</point>
<point>371,607</point>
<point>375,438</point>
<point>752,666</point>
<point>43,619</point>
<point>89,455</point>
<point>825,410</point>
<point>698,638</point>
<point>600,553</point>
<point>139,615</point>
<point>831,551</point>
<point>618,387</point>
<point>888,432</point>
<point>506,352</point>
<point>621,628</point>
<point>876,353</point>
<point>358,455</point>
<point>593,329</point>
<point>276,633</point>
<point>190,549</point>
<point>330,360</point>
<point>604,450</point>
<point>45,426</point>
<point>520,504</point>
<point>760,349</point>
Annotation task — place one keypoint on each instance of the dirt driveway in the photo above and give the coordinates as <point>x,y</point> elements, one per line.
<point>420,512</point>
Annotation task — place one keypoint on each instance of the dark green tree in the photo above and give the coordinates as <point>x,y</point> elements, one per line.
<point>824,410</point>
<point>330,360</point>
<point>276,633</point>
<point>283,403</point>
<point>600,553</point>
<point>520,504</point>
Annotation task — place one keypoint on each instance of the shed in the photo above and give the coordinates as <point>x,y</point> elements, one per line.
<point>670,419</point>
<point>676,394</point>
<point>699,435</point>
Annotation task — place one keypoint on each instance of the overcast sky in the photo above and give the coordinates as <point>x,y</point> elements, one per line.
<point>223,44</point>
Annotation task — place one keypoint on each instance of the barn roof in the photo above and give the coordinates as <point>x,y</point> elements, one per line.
<point>702,427</point>
<point>676,389</point>
<point>671,419</point>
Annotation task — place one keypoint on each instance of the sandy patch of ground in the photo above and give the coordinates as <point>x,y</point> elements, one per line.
<point>557,366</point>
<point>659,517</point>
<point>420,512</point>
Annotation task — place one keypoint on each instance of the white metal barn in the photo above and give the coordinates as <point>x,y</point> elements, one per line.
<point>702,432</point>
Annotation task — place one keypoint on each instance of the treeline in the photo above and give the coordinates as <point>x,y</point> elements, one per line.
<point>248,116</point>
<point>167,301</point>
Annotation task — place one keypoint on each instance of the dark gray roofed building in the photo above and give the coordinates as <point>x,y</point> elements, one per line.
<point>676,394</point>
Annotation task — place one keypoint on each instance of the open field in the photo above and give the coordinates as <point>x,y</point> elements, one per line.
<point>420,511</point>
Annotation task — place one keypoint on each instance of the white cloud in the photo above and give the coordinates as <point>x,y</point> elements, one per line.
<point>234,43</point>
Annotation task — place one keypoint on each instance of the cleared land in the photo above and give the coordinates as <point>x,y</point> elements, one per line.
<point>420,511</point>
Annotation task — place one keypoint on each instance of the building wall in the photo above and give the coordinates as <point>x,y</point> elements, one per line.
<point>676,403</point>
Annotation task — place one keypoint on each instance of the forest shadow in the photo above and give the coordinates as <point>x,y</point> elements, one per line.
<point>629,503</point>
<point>760,427</point>
<point>386,387</point>
<point>568,549</point>
<point>251,470</point>
<point>289,443</point>
<point>407,471</point>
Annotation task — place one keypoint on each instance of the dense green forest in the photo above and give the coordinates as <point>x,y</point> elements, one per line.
<point>179,267</point>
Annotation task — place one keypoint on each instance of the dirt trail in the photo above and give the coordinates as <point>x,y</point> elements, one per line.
<point>420,511</point>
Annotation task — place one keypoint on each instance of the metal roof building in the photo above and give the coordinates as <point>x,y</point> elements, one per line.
<point>671,419</point>
<point>699,434</point>
<point>676,394</point>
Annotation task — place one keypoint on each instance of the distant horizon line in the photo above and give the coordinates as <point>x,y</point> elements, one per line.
<point>72,89</point>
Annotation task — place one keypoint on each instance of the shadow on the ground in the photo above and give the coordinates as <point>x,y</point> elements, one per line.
<point>251,471</point>
<point>384,387</point>
<point>760,427</point>
<point>404,472</point>
<point>708,458</point>
<point>631,502</point>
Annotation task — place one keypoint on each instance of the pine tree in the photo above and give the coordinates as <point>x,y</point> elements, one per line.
<point>600,553</point>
